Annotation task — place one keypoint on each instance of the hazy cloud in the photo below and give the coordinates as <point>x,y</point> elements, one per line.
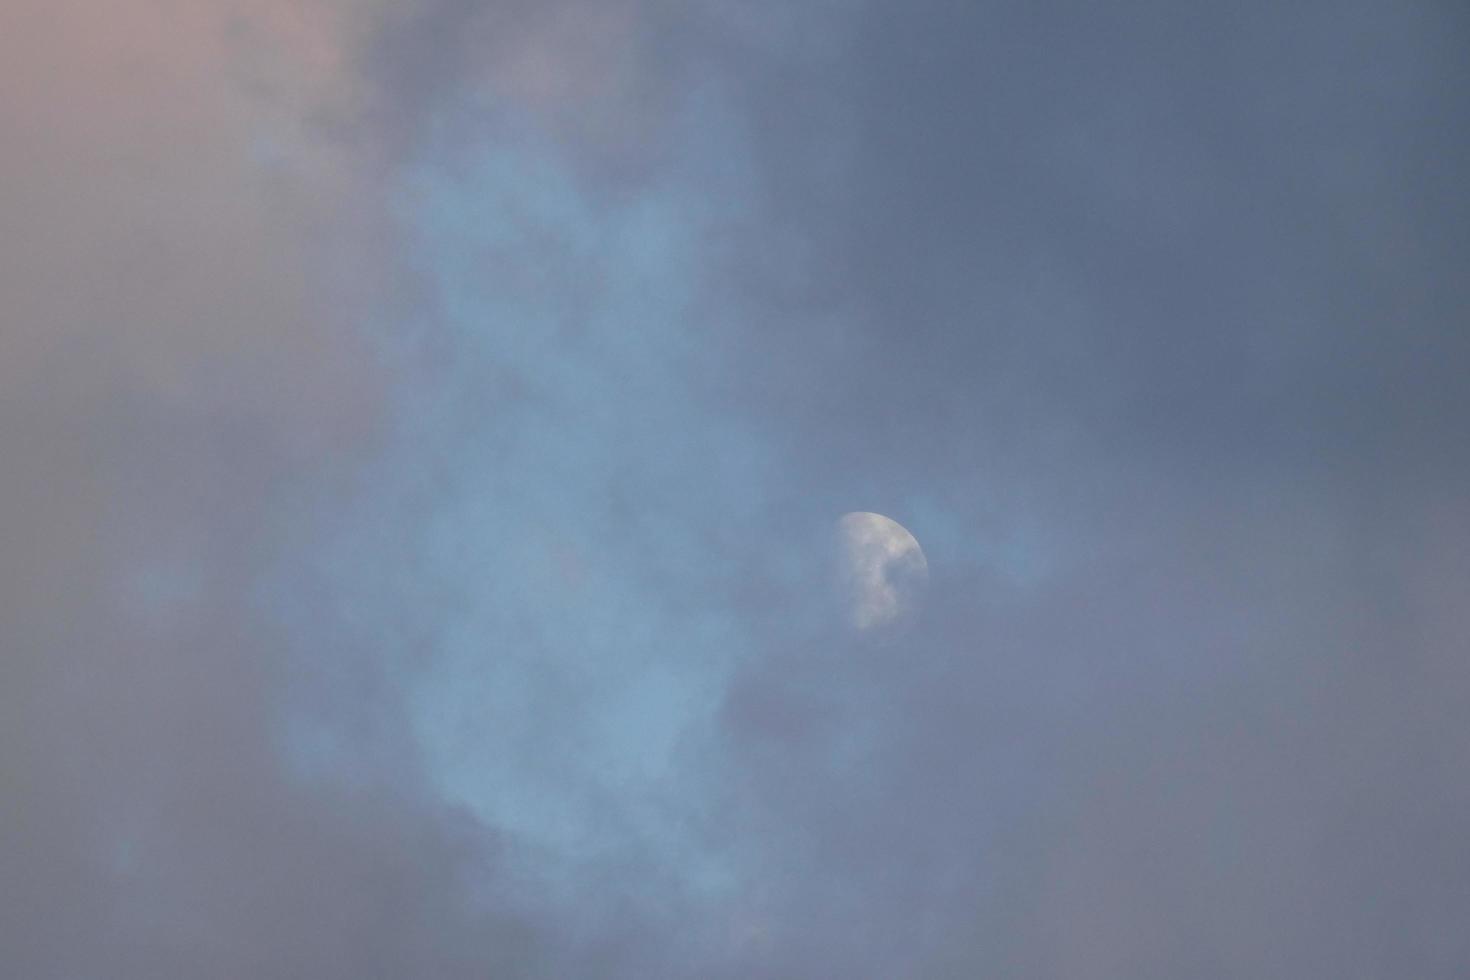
<point>421,429</point>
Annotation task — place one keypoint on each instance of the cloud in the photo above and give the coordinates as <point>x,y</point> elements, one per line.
<point>422,429</point>
<point>177,343</point>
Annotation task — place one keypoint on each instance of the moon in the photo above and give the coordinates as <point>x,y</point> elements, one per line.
<point>881,570</point>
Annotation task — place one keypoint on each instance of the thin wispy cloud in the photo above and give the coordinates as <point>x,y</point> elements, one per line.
<point>423,431</point>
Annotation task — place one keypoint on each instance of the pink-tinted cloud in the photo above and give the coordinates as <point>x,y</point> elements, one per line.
<point>186,226</point>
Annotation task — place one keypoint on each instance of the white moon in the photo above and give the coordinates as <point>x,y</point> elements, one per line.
<point>882,571</point>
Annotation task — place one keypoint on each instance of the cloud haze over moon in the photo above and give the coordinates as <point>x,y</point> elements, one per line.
<point>881,569</point>
<point>421,426</point>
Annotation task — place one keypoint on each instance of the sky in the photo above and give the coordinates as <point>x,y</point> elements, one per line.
<point>423,426</point>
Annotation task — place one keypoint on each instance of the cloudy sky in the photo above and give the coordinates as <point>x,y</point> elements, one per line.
<point>423,425</point>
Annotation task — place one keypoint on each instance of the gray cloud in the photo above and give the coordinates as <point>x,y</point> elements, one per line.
<point>418,451</point>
